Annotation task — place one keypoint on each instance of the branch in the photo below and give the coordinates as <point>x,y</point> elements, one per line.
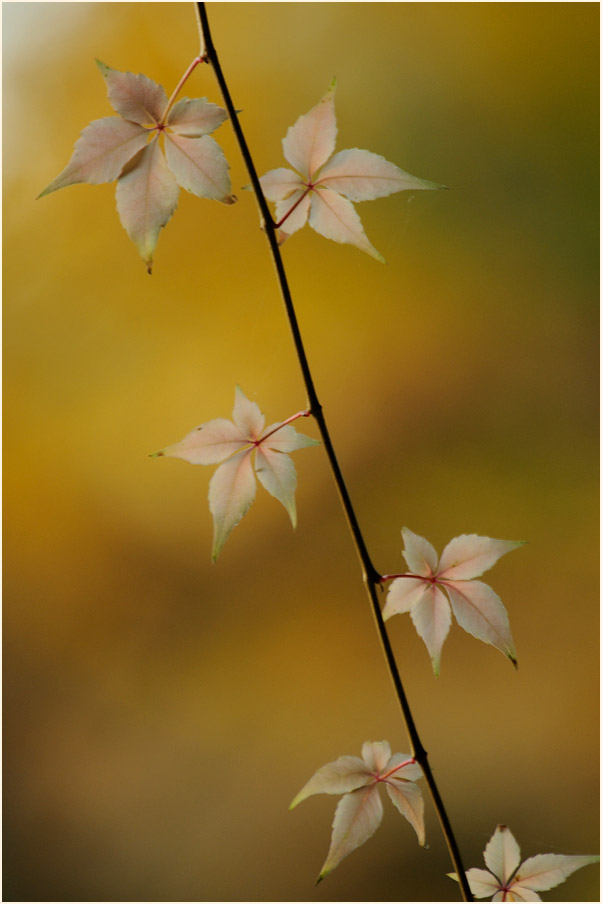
<point>371,576</point>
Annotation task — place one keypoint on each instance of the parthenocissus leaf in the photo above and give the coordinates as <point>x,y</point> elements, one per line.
<point>359,812</point>
<point>324,186</point>
<point>128,150</point>
<point>232,444</point>
<point>477,608</point>
<point>507,879</point>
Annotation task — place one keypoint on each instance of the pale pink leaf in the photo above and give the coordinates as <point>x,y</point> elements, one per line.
<point>410,772</point>
<point>403,594</point>
<point>276,471</point>
<point>299,204</point>
<point>279,184</point>
<point>502,853</point>
<point>363,176</point>
<point>376,754</point>
<point>419,554</point>
<point>208,444</point>
<point>517,893</point>
<point>469,555</point>
<point>335,218</point>
<point>357,817</point>
<point>310,142</point>
<point>482,884</point>
<point>199,166</point>
<point>480,611</point>
<point>344,775</point>
<point>195,117</point>
<point>135,97</point>
<point>407,798</point>
<point>548,870</point>
<point>247,416</point>
<point>231,492</point>
<point>286,439</point>
<point>432,620</point>
<point>147,195</point>
<point>100,154</point>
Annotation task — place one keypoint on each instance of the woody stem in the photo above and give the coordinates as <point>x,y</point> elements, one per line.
<point>371,576</point>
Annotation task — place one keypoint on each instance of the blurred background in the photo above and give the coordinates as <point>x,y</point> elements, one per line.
<point>160,711</point>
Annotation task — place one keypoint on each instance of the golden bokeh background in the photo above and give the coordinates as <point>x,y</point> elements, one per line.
<point>161,712</point>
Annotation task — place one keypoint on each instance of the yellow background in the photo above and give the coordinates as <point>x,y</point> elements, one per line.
<point>161,712</point>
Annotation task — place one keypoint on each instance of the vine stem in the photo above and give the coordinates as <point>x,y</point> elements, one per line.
<point>371,576</point>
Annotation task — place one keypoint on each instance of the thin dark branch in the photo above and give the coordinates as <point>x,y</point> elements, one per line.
<point>371,576</point>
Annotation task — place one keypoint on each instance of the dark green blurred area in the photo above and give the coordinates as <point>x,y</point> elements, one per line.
<point>161,712</point>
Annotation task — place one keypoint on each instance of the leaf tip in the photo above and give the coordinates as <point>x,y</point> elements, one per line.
<point>229,199</point>
<point>158,454</point>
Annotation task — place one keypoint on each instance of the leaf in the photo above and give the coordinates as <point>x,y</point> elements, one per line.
<point>231,492</point>
<point>326,187</point>
<point>545,871</point>
<point>147,195</point>
<point>310,142</point>
<point>407,798</point>
<point>135,97</point>
<point>199,166</point>
<point>193,118</point>
<point>276,472</point>
<point>478,610</point>
<point>469,555</point>
<point>209,443</point>
<point>233,445</point>
<point>128,150</point>
<point>100,154</point>
<point>335,218</point>
<point>364,176</point>
<point>357,817</point>
<point>506,879</point>
<point>376,754</point>
<point>359,812</point>
<point>432,619</point>
<point>279,184</point>
<point>419,554</point>
<point>502,853</point>
<point>345,774</point>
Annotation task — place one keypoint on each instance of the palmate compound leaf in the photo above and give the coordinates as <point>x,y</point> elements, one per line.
<point>507,879</point>
<point>324,186</point>
<point>359,812</point>
<point>128,151</point>
<point>232,445</point>
<point>477,608</point>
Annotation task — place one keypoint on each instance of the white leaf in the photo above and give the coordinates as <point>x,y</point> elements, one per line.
<point>310,142</point>
<point>231,492</point>
<point>357,817</point>
<point>469,555</point>
<point>502,853</point>
<point>419,554</point>
<point>407,798</point>
<point>199,166</point>
<point>209,443</point>
<point>276,472</point>
<point>363,176</point>
<point>403,594</point>
<point>345,774</point>
<point>147,195</point>
<point>376,754</point>
<point>480,611</point>
<point>432,619</point>
<point>335,218</point>
<point>548,870</point>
